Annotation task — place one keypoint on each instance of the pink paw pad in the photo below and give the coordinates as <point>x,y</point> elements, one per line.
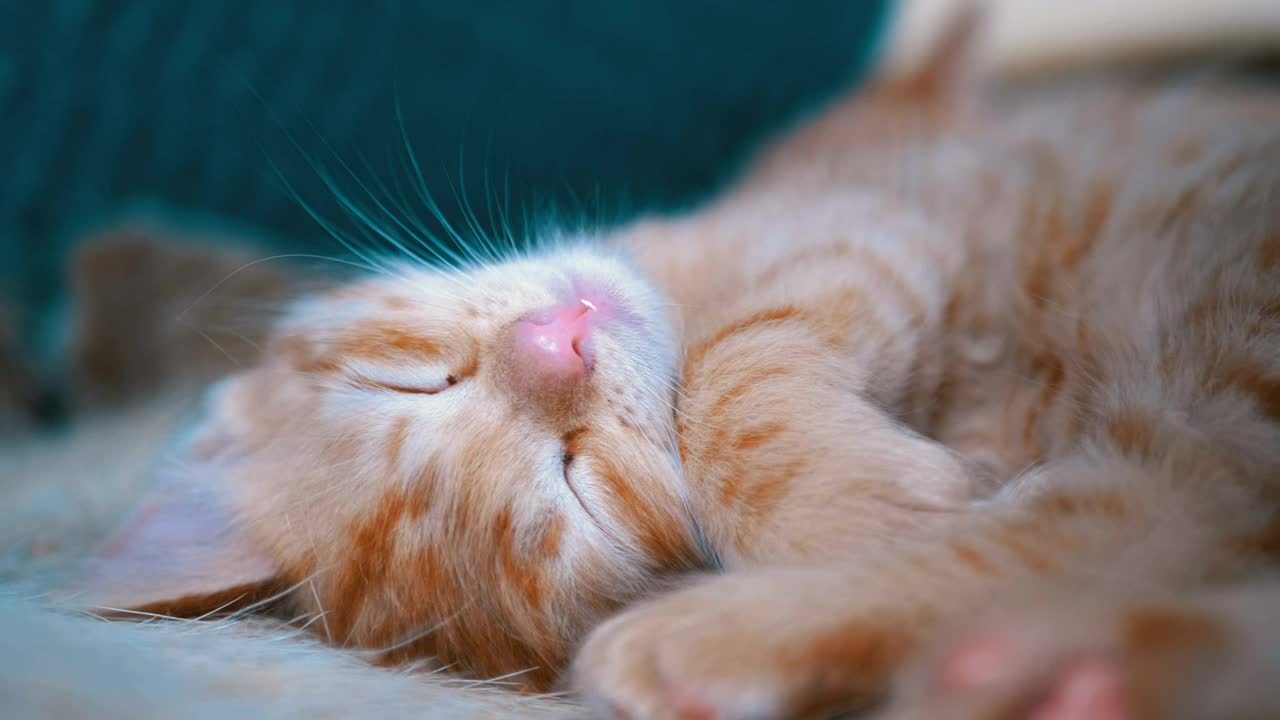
<point>1087,688</point>
<point>977,664</point>
<point>693,709</point>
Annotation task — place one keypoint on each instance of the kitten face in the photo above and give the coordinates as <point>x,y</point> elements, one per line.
<point>472,465</point>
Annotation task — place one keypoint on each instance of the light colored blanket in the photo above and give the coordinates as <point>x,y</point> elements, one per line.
<point>1023,38</point>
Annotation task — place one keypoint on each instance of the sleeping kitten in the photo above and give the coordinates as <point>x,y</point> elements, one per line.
<point>933,354</point>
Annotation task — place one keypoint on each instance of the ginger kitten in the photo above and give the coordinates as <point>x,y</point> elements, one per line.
<point>938,352</point>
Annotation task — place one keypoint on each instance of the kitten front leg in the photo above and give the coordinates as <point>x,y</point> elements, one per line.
<point>775,643</point>
<point>769,643</point>
<point>787,462</point>
<point>808,379</point>
<point>808,642</point>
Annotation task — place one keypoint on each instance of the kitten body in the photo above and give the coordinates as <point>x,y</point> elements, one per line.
<point>1095,326</point>
<point>928,353</point>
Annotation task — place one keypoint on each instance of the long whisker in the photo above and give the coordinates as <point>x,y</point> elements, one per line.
<point>424,193</point>
<point>499,679</point>
<point>502,233</point>
<point>419,233</point>
<point>325,223</point>
<point>473,223</point>
<point>204,295</point>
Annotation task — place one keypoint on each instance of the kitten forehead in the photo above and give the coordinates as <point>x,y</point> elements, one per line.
<point>490,292</point>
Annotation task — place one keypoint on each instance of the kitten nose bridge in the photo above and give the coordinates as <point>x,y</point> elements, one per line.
<point>555,344</point>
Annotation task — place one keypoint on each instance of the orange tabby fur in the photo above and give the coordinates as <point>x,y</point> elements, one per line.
<point>931,352</point>
<point>1109,341</point>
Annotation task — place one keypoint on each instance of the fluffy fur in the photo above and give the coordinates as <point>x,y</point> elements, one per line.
<point>934,353</point>
<point>1089,313</point>
<point>63,492</point>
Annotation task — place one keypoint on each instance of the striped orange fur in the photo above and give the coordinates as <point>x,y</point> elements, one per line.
<point>928,355</point>
<point>1097,306</point>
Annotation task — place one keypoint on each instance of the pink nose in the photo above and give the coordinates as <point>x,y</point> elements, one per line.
<point>556,343</point>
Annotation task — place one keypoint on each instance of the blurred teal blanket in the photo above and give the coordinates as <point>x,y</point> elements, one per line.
<point>584,107</point>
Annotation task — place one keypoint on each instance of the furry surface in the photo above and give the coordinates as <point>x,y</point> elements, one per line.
<point>58,666</point>
<point>60,495</point>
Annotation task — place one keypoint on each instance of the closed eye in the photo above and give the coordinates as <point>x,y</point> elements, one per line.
<point>426,388</point>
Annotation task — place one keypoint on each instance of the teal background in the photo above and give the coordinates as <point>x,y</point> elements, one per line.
<point>575,107</point>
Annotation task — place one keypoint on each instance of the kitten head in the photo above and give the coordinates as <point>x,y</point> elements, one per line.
<point>468,465</point>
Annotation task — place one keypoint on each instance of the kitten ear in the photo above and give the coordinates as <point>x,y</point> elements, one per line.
<point>182,552</point>
<point>948,75</point>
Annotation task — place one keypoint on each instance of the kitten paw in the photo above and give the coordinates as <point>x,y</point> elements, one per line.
<point>1119,661</point>
<point>753,646</point>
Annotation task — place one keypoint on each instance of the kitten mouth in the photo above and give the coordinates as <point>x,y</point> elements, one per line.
<point>573,489</point>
